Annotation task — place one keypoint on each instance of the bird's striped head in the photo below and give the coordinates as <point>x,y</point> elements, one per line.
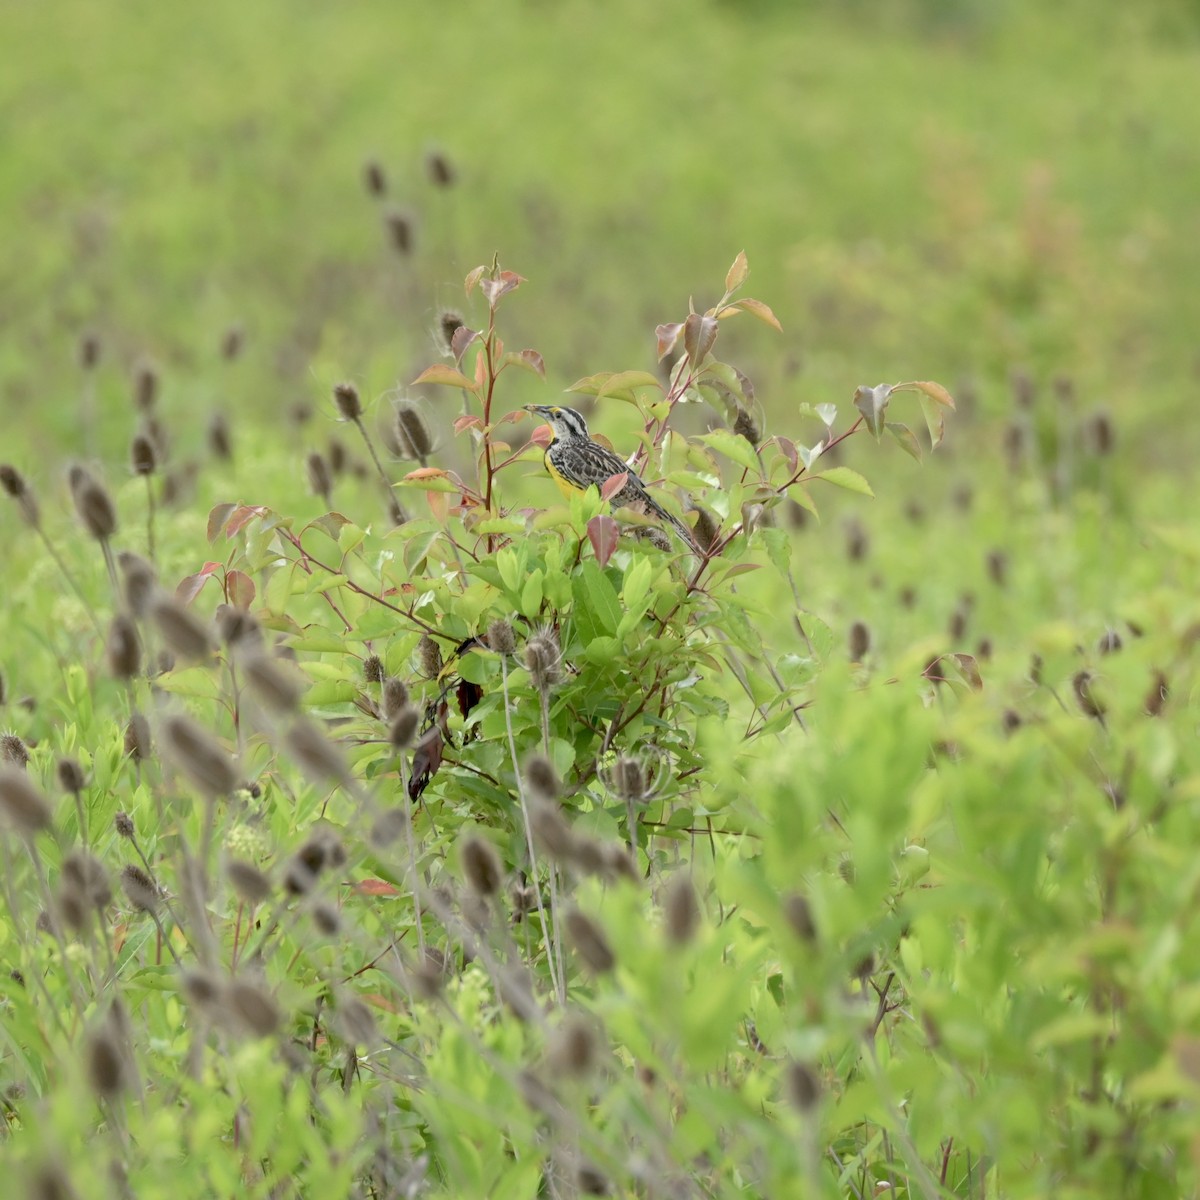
<point>565,422</point>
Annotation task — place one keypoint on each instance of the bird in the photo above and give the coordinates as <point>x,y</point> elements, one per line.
<point>576,462</point>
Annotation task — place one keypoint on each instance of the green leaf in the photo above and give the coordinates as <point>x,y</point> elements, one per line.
<point>443,374</point>
<point>622,384</point>
<point>843,477</point>
<point>872,402</point>
<point>733,446</point>
<point>907,439</point>
<point>759,310</point>
<point>738,273</point>
<point>598,597</point>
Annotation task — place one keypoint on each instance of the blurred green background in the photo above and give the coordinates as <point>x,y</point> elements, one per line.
<point>924,189</point>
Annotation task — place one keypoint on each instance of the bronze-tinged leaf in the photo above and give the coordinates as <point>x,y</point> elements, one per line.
<point>375,887</point>
<point>189,588</point>
<point>738,273</point>
<point>441,373</point>
<point>468,422</point>
<point>602,532</point>
<point>427,757</point>
<point>242,516</point>
<point>872,402</point>
<point>668,337</point>
<point>788,448</point>
<point>934,391</point>
<point>699,334</point>
<point>756,308</point>
<point>613,484</point>
<point>468,695</point>
<point>533,361</point>
<point>217,518</point>
<point>505,282</point>
<point>473,278</point>
<point>462,339</point>
<point>240,589</point>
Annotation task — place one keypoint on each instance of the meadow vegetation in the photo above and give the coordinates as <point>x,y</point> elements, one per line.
<point>376,822</point>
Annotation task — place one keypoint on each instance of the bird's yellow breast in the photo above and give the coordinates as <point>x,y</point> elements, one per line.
<point>564,484</point>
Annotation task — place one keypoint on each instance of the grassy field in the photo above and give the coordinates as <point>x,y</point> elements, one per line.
<point>844,856</point>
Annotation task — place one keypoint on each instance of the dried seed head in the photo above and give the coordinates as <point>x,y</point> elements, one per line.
<point>1089,703</point>
<point>410,432</point>
<point>1014,446</point>
<point>236,626</point>
<point>233,342</point>
<point>681,910</point>
<point>395,696</point>
<point>50,1181</point>
<point>746,426</point>
<point>857,542</point>
<point>1157,696</point>
<point>590,942</point>
<point>339,460</point>
<point>106,1069</point>
<point>252,1008</point>
<point>957,626</point>
<point>95,508</point>
<point>500,637</point>
<point>591,1181</point>
<point>429,657</point>
<point>482,868</point>
<point>139,581</point>
<point>13,482</point>
<point>220,441</point>
<point>983,649</point>
<point>1023,388</point>
<point>199,755</point>
<point>1011,720</point>
<point>21,803</point>
<point>403,730</point>
<point>522,899</point>
<point>347,402</point>
<point>89,351</point>
<point>252,885</point>
<point>543,660</point>
<point>540,776</point>
<point>86,874</point>
<point>13,751</point>
<point>399,226</point>
<point>278,688</point>
<point>798,914</point>
<point>706,527</point>
<point>145,386</point>
<point>860,641</point>
<point>70,775</point>
<point>140,890</point>
<point>70,907</point>
<point>137,738</point>
<point>200,988</point>
<point>327,919</point>
<point>1110,642</point>
<point>440,168</point>
<point>574,1047</point>
<point>803,1086</point>
<point>143,457</point>
<point>627,778</point>
<point>373,668</point>
<point>619,862</point>
<point>316,754</point>
<point>123,824</point>
<point>449,323</point>
<point>374,179</point>
<point>388,828</point>
<point>355,1021</point>
<point>514,985</point>
<point>1100,434</point>
<point>551,831</point>
<point>123,648</point>
<point>997,567</point>
<point>322,851</point>
<point>319,479</point>
<point>184,633</point>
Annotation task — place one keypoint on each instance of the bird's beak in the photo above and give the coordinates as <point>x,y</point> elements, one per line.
<point>535,408</point>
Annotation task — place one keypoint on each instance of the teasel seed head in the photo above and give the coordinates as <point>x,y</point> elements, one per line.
<point>139,581</point>
<point>1110,642</point>
<point>395,696</point>
<point>23,804</point>
<point>322,851</point>
<point>220,441</point>
<point>347,401</point>
<point>373,668</point>
<point>320,757</point>
<point>1156,697</point>
<point>89,351</point>
<point>803,1086</point>
<point>233,342</point>
<point>706,527</point>
<point>70,908</point>
<point>252,885</point>
<point>681,910</point>
<point>95,507</point>
<point>449,322</point>
<point>627,778</point>
<point>410,432</point>
<point>13,482</point>
<point>106,1067</point>
<point>199,755</point>
<point>860,641</point>
<point>355,1021</point>
<point>957,626</point>
<point>277,687</point>
<point>86,873</point>
<point>1089,703</point>
<point>746,426</point>
<point>541,778</point>
<point>140,890</point>
<point>1023,388</point>
<point>997,567</point>
<point>388,828</point>
<point>551,831</point>
<point>201,990</point>
<point>574,1047</point>
<point>1011,720</point>
<point>590,942</point>
<point>70,776</point>
<point>327,919</point>
<point>143,457</point>
<point>482,868</point>
<point>543,660</point>
<point>13,751</point>
<point>319,478</point>
<point>374,179</point>
<point>399,226</point>
<point>440,168</point>
<point>798,914</point>
<point>500,637</point>
<point>252,1008</point>
<point>429,657</point>
<point>123,824</point>
<point>857,542</point>
<point>137,738</point>
<point>123,648</point>
<point>183,632</point>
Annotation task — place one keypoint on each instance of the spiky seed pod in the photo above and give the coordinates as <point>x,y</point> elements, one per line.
<point>1011,720</point>
<point>591,1181</point>
<point>70,776</point>
<point>323,851</point>
<point>374,179</point>
<point>798,914</point>
<point>13,751</point>
<point>355,1021</point>
<point>860,641</point>
<point>411,433</point>
<point>522,899</point>
<point>106,1069</point>
<point>1089,703</point>
<point>983,649</point>
<point>70,907</point>
<point>957,626</point>
<point>140,890</point>
<point>1035,670</point>
<point>201,989</point>
<point>95,508</point>
<point>706,527</point>
<point>481,866</point>
<point>399,226</point>
<point>319,480</point>
<point>50,1181</point>
<point>1023,388</point>
<point>13,482</point>
<point>589,856</point>
<point>233,341</point>
<point>590,942</point>
<point>746,426</point>
<point>402,731</point>
<point>278,688</point>
<point>440,168</point>
<point>123,824</point>
<point>316,754</point>
<point>22,803</point>
<point>428,977</point>
<point>139,581</point>
<point>541,778</point>
<point>347,401</point>
<point>1110,642</point>
<point>184,633</point>
<point>145,386</point>
<point>543,661</point>
<point>252,1008</point>
<point>997,567</point>
<point>858,544</point>
<point>252,885</point>
<point>514,985</point>
<point>551,831</point>
<point>86,873</point>
<point>395,696</point>
<point>373,668</point>
<point>619,862</point>
<point>327,919</point>
<point>89,351</point>
<point>681,910</point>
<point>803,1086</point>
<point>123,648</point>
<point>388,828</point>
<point>199,755</point>
<point>339,460</point>
<point>1100,434</point>
<point>220,441</point>
<point>500,637</point>
<point>236,627</point>
<point>449,322</point>
<point>1157,696</point>
<point>137,738</point>
<point>627,778</point>
<point>429,657</point>
<point>573,1048</point>
<point>143,457</point>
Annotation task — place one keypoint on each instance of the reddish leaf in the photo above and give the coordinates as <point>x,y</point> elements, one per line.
<point>480,370</point>
<point>468,422</point>
<point>668,338</point>
<point>239,589</point>
<point>602,533</point>
<point>375,887</point>
<point>473,278</point>
<point>613,484</point>
<point>427,757</point>
<point>242,517</point>
<point>542,436</point>
<point>441,373</point>
<point>534,361</point>
<point>189,588</point>
<point>217,518</point>
<point>439,505</point>
<point>789,452</point>
<point>756,308</point>
<point>461,339</point>
<point>511,418</point>
<point>468,695</point>
<point>504,283</point>
<point>737,274</point>
<point>699,334</point>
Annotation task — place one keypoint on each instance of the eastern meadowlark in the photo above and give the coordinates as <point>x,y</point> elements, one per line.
<point>575,463</point>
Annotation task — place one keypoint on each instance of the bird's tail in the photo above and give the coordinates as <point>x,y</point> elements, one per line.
<point>680,528</point>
